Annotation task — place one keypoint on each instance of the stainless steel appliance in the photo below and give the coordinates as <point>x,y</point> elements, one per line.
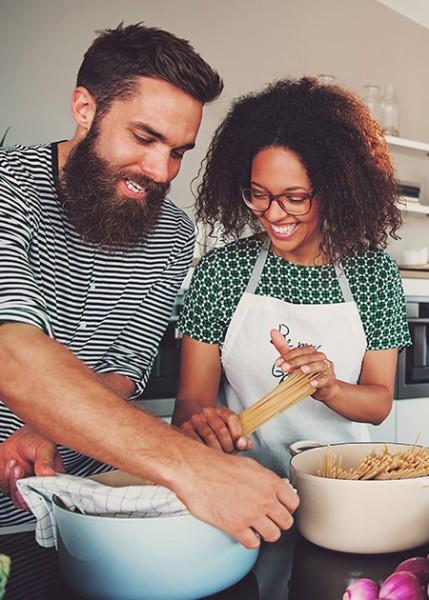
<point>412,380</point>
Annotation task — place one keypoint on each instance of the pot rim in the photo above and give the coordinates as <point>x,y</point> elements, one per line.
<point>56,500</point>
<point>307,475</point>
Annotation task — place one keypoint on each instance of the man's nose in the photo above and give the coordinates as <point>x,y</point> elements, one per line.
<point>156,166</point>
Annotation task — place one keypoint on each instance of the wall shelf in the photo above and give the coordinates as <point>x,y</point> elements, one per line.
<point>404,143</point>
<point>413,207</point>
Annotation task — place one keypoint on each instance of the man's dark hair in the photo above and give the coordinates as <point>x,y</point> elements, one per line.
<point>117,57</point>
<point>340,145</point>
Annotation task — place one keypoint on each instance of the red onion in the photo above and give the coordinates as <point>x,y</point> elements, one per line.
<point>418,566</point>
<point>401,585</point>
<point>362,589</point>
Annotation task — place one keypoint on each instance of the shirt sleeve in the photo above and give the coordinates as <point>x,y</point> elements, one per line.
<point>135,349</point>
<point>200,315</point>
<point>387,323</point>
<point>20,298</point>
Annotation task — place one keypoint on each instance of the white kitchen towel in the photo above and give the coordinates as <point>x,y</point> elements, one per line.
<point>93,498</point>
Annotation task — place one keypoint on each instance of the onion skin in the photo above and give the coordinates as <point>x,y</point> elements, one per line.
<point>362,589</point>
<point>418,566</point>
<point>401,585</point>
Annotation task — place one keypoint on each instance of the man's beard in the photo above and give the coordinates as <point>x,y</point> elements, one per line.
<point>99,214</point>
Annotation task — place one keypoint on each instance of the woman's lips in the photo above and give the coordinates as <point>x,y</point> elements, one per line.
<point>283,232</point>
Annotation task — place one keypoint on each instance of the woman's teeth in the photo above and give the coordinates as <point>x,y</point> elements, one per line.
<point>284,229</point>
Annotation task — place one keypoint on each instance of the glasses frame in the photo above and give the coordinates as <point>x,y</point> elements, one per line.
<point>277,198</point>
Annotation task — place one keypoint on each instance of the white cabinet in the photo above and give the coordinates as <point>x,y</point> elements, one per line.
<point>420,149</point>
<point>159,407</point>
<point>386,432</point>
<point>412,419</point>
<point>409,418</point>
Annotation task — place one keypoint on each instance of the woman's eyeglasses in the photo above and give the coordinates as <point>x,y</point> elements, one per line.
<point>293,203</point>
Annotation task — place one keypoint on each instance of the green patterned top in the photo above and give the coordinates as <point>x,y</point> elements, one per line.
<point>222,275</point>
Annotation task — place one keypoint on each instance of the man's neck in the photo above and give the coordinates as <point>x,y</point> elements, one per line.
<point>64,149</point>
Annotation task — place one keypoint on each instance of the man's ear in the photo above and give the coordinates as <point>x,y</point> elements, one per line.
<point>83,108</point>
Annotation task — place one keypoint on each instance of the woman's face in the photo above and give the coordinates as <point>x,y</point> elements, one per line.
<point>293,237</point>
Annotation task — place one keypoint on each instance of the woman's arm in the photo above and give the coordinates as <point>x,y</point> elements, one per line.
<point>369,401</point>
<point>199,380</point>
<point>195,412</point>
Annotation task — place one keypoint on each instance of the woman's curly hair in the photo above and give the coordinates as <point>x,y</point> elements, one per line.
<point>340,145</point>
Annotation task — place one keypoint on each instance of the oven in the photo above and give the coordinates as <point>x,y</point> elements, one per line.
<point>164,377</point>
<point>412,377</point>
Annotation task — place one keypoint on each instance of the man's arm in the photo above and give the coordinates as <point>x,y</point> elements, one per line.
<point>26,452</point>
<point>120,384</point>
<point>71,406</point>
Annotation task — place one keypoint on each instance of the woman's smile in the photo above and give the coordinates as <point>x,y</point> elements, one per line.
<point>283,232</point>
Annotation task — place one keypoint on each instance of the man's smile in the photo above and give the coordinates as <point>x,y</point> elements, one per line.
<point>133,189</point>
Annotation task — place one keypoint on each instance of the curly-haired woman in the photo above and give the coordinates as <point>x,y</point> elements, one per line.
<point>306,167</point>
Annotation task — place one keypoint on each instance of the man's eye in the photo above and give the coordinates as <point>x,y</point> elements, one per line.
<point>179,154</point>
<point>142,140</point>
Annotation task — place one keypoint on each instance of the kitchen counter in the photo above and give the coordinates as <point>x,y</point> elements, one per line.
<point>316,574</point>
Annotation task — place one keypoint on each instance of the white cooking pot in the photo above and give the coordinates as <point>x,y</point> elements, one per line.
<point>359,516</point>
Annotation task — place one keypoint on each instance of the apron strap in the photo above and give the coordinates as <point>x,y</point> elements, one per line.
<point>260,263</point>
<point>344,284</point>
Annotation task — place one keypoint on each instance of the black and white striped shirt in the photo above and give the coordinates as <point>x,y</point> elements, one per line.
<point>110,310</point>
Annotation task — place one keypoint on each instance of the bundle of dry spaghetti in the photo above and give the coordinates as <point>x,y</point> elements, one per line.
<point>406,464</point>
<point>295,388</point>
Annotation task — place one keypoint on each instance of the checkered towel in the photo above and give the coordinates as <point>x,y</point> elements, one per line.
<point>94,498</point>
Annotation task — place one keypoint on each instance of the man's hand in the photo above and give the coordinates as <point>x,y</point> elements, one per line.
<point>23,454</point>
<point>237,495</point>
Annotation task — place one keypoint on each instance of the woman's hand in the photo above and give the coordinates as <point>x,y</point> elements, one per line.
<point>313,363</point>
<point>218,428</point>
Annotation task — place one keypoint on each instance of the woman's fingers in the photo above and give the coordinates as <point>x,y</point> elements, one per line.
<point>308,362</point>
<point>187,429</point>
<point>240,441</point>
<point>279,342</point>
<point>243,443</point>
<point>217,420</point>
<point>205,431</point>
<point>218,428</point>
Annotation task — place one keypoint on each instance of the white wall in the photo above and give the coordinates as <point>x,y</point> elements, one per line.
<point>250,42</point>
<point>417,10</point>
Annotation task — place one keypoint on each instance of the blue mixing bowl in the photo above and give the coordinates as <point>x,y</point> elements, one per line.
<point>164,558</point>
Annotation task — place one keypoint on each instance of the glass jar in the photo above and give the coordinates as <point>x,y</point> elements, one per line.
<point>372,98</point>
<point>390,111</point>
<point>326,79</point>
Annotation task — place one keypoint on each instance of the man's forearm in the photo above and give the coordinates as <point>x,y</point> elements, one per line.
<point>70,405</point>
<point>120,384</point>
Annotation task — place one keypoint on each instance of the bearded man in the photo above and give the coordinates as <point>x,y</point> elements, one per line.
<point>93,253</point>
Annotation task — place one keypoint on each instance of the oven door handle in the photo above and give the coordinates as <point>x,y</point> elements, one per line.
<point>419,320</point>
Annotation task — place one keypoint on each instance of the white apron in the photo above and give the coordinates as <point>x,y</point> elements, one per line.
<point>248,360</point>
